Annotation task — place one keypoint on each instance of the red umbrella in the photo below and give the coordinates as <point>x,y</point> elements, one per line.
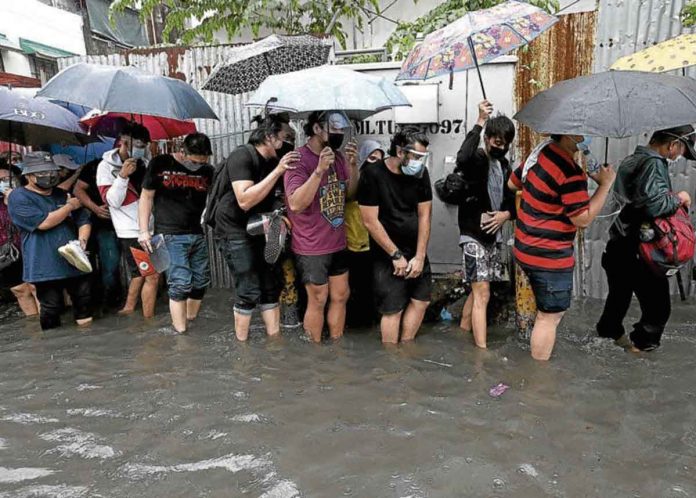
<point>108,124</point>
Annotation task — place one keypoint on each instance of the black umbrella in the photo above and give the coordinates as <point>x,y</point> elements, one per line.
<point>613,104</point>
<point>249,65</point>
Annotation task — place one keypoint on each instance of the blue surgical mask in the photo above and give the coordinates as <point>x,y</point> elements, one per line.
<point>4,186</point>
<point>138,152</point>
<point>584,145</point>
<point>413,168</point>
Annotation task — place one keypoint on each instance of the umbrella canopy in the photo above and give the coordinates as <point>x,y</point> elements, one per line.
<point>109,124</point>
<point>474,39</point>
<point>676,53</point>
<point>36,121</point>
<point>614,104</point>
<point>328,88</point>
<point>127,90</point>
<point>248,65</point>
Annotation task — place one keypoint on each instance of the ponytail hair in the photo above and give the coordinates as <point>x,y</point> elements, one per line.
<point>267,126</point>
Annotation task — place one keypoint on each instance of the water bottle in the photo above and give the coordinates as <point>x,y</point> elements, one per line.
<point>591,162</point>
<point>647,232</point>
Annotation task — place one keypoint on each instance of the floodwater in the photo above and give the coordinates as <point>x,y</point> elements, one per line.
<point>127,409</point>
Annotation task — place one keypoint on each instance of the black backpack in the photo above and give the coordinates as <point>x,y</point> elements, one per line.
<point>455,189</point>
<point>221,185</point>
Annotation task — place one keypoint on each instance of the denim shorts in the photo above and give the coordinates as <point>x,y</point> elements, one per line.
<point>256,283</point>
<point>188,275</point>
<point>552,290</point>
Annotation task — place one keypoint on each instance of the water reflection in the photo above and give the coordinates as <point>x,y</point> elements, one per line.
<point>126,408</point>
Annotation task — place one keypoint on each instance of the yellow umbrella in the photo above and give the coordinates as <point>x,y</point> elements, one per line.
<point>675,53</point>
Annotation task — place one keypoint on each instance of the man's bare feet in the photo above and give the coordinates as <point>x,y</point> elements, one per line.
<point>125,311</point>
<point>623,341</point>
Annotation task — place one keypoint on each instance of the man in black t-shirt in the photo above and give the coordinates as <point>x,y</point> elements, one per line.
<point>253,176</point>
<point>175,189</point>
<point>395,200</point>
<point>103,247</point>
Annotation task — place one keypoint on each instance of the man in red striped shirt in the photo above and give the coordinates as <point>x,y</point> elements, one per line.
<point>554,204</point>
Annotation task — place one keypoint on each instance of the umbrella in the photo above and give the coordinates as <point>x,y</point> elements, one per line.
<point>36,121</point>
<point>676,53</point>
<point>109,124</point>
<point>127,90</point>
<point>474,39</point>
<point>614,104</point>
<point>248,65</point>
<point>328,88</point>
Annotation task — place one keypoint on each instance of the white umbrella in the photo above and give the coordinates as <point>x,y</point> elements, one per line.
<point>328,88</point>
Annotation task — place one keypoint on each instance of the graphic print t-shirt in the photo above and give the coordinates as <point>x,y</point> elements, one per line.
<point>319,229</point>
<point>180,195</point>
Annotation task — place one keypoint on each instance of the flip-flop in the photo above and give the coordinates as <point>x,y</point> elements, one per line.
<point>275,238</point>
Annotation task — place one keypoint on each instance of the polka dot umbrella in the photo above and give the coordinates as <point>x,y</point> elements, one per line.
<point>675,53</point>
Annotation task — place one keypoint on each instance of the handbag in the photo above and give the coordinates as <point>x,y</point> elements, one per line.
<point>450,188</point>
<point>9,253</point>
<point>671,246</point>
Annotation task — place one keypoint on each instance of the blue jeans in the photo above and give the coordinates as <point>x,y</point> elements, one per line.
<point>109,261</point>
<point>188,275</point>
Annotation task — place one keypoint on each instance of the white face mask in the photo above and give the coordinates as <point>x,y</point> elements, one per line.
<point>4,186</point>
<point>139,152</point>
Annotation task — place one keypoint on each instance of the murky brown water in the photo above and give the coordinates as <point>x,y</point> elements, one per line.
<point>128,410</point>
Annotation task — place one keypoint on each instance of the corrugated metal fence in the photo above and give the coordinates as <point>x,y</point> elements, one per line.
<point>581,43</point>
<point>193,65</point>
<point>625,27</point>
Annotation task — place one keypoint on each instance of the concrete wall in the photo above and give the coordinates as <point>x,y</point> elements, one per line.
<point>458,111</point>
<point>36,21</point>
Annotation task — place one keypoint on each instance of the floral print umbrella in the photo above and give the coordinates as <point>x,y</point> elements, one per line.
<point>476,38</point>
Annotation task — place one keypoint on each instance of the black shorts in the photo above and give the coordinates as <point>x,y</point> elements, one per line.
<point>131,265</point>
<point>316,270</point>
<point>393,293</point>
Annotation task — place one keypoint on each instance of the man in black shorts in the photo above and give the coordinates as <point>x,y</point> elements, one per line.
<point>395,200</point>
<point>119,180</point>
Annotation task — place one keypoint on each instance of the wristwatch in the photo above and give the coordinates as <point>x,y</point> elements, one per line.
<point>396,255</point>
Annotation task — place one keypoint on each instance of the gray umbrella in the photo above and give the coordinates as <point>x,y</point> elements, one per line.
<point>248,65</point>
<point>37,121</point>
<point>126,90</point>
<point>614,104</point>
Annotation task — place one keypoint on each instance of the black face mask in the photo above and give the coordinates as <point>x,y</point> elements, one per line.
<point>48,181</point>
<point>497,152</point>
<point>284,149</point>
<point>336,140</point>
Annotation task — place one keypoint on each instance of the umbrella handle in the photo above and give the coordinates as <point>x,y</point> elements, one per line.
<point>478,69</point>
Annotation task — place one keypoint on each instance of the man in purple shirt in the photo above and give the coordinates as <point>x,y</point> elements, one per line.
<point>316,193</point>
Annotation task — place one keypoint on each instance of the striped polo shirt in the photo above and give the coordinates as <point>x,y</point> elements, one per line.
<point>554,190</point>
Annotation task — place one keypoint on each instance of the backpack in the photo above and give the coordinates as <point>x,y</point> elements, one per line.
<point>672,245</point>
<point>221,185</point>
